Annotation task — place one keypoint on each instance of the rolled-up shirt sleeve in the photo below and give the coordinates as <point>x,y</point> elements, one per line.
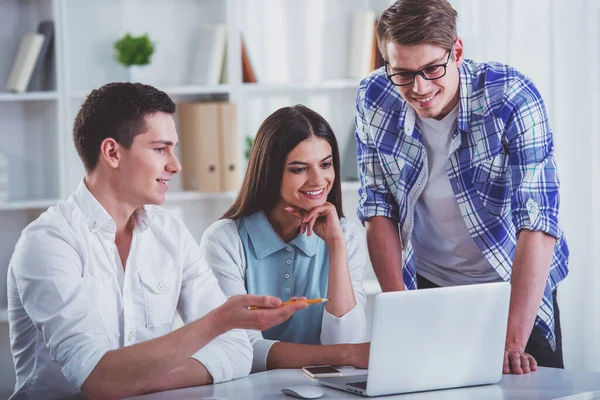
<point>375,197</point>
<point>222,248</point>
<point>228,356</point>
<point>47,270</point>
<point>352,326</point>
<point>535,182</point>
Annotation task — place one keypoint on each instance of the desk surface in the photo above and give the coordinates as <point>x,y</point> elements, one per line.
<point>546,383</point>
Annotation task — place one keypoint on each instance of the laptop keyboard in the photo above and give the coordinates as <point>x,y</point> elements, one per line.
<point>360,385</point>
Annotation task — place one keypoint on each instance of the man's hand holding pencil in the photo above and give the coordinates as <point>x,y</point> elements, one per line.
<point>294,299</point>
<point>267,311</point>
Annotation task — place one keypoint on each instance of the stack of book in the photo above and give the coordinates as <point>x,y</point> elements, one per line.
<point>209,68</point>
<point>210,64</point>
<point>364,55</point>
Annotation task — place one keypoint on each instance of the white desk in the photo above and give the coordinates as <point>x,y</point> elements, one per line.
<point>546,383</point>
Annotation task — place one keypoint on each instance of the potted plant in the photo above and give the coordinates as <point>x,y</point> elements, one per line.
<point>134,52</point>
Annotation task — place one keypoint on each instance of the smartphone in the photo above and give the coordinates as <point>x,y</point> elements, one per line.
<point>321,371</point>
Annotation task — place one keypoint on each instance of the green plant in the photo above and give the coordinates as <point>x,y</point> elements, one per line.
<point>134,50</point>
<point>249,141</point>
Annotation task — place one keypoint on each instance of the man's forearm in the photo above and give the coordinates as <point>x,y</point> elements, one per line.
<point>190,373</point>
<point>131,369</point>
<point>529,275</point>
<point>385,251</point>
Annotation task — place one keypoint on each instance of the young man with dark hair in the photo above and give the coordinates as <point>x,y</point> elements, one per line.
<point>459,183</point>
<point>94,283</point>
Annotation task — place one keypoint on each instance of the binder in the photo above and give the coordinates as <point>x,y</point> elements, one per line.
<point>229,147</point>
<point>199,137</point>
<point>27,55</point>
<point>248,74</point>
<point>42,77</point>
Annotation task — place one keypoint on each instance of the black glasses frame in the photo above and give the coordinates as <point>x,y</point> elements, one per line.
<point>419,72</point>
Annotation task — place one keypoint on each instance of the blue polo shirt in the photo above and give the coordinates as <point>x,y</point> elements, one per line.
<point>276,268</point>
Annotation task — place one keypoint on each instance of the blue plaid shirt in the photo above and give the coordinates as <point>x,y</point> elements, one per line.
<point>501,168</point>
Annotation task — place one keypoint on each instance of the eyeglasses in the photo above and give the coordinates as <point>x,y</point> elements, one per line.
<point>429,73</point>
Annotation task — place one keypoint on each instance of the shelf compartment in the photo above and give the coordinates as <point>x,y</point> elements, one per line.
<point>174,27</point>
<point>29,141</point>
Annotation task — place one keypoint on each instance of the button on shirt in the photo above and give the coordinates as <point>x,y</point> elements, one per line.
<point>247,256</point>
<point>70,300</point>
<point>501,167</point>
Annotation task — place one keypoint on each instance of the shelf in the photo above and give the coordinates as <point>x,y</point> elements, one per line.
<point>196,90</point>
<point>28,96</point>
<point>324,85</point>
<point>28,205</point>
<point>173,91</point>
<point>194,196</point>
<point>172,197</point>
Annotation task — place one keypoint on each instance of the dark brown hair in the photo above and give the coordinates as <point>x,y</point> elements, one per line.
<point>116,110</point>
<point>412,22</point>
<point>277,136</point>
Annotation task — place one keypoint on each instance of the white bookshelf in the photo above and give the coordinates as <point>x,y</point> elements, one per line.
<point>307,65</point>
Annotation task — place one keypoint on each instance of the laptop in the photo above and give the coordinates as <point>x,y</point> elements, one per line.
<point>433,339</point>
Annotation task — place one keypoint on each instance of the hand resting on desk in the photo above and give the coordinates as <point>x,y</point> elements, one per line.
<point>518,362</point>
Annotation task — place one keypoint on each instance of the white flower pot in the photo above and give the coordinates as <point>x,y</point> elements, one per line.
<point>137,73</point>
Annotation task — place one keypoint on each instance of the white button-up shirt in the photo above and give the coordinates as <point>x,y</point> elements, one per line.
<point>70,300</point>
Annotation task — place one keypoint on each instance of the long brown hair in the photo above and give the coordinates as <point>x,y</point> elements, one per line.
<point>277,136</point>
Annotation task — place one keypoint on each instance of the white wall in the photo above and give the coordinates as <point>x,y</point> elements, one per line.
<point>556,43</point>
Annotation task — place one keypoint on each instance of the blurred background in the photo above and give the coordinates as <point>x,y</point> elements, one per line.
<point>251,57</point>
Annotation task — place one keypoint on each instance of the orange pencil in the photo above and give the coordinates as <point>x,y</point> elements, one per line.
<point>308,301</point>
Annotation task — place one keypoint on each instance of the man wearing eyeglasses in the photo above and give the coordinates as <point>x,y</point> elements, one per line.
<point>459,183</point>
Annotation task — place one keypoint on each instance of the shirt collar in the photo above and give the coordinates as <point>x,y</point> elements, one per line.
<point>466,73</point>
<point>96,215</point>
<point>265,240</point>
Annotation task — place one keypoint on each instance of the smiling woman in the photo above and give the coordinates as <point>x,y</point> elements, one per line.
<point>285,235</point>
<point>308,175</point>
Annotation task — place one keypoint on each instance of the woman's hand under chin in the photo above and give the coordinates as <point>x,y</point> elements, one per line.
<point>322,220</point>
